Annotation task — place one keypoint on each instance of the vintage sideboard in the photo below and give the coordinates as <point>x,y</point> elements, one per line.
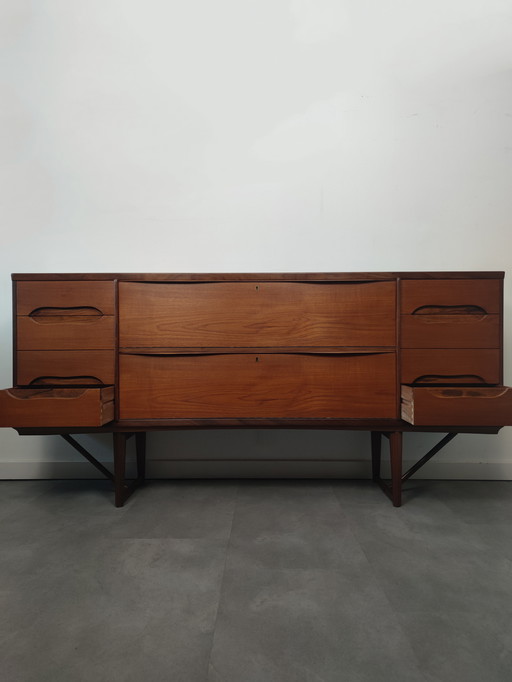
<point>385,352</point>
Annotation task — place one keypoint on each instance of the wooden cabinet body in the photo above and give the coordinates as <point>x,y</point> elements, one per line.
<point>290,349</point>
<point>386,352</point>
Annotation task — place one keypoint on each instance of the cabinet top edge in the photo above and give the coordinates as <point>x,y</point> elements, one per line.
<point>250,276</point>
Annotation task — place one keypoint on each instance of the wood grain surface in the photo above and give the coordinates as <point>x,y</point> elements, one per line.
<point>256,314</point>
<point>34,295</point>
<point>451,331</point>
<point>65,366</point>
<point>485,294</point>
<point>254,276</point>
<point>264,385</point>
<point>66,333</point>
<point>452,365</point>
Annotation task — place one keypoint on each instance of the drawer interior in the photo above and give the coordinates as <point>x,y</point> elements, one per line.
<point>56,407</point>
<point>457,406</point>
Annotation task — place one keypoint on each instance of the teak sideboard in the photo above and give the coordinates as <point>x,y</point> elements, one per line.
<point>385,352</point>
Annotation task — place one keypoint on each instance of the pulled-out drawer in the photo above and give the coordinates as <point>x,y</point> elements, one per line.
<point>457,296</point>
<point>56,407</point>
<point>85,298</point>
<point>481,406</point>
<point>65,332</point>
<point>258,385</point>
<point>450,366</point>
<point>256,314</point>
<point>451,331</point>
<point>79,367</point>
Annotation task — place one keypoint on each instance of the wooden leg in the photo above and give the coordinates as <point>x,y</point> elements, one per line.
<point>376,454</point>
<point>119,468</point>
<point>395,451</point>
<point>140,445</point>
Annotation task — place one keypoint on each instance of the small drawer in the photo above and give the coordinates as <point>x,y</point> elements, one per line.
<point>457,406</point>
<point>56,407</point>
<point>65,367</point>
<point>450,331</point>
<point>450,296</point>
<point>83,298</point>
<point>450,366</point>
<point>75,332</point>
<point>263,385</point>
<point>256,314</point>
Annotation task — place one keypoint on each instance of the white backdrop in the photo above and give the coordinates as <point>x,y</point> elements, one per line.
<point>243,135</point>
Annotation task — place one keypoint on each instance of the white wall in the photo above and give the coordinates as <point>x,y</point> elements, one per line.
<point>244,135</point>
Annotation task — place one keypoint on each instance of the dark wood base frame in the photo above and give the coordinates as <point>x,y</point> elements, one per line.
<point>122,487</point>
<point>393,431</point>
<point>393,489</point>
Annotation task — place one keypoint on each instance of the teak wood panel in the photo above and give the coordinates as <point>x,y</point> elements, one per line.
<point>65,333</point>
<point>457,406</point>
<point>34,296</point>
<point>451,331</point>
<point>418,294</point>
<point>56,407</point>
<point>65,367</point>
<point>453,365</point>
<point>254,276</point>
<point>257,314</point>
<point>257,386</point>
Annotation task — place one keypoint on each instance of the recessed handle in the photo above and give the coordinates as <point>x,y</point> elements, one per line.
<point>449,310</point>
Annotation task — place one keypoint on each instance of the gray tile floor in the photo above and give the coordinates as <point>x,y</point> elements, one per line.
<point>255,581</point>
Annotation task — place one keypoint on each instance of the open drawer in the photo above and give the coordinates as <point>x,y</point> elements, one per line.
<point>56,407</point>
<point>442,406</point>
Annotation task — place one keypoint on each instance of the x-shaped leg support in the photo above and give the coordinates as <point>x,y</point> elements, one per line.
<point>394,489</point>
<point>122,488</point>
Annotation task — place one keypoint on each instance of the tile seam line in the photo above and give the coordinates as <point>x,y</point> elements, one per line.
<point>222,581</point>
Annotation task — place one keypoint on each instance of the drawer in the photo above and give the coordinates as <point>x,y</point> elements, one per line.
<point>453,296</point>
<point>451,331</point>
<point>67,332</point>
<point>480,406</point>
<point>248,314</point>
<point>56,407</point>
<point>453,366</point>
<point>85,298</point>
<point>261,385</point>
<point>49,367</point>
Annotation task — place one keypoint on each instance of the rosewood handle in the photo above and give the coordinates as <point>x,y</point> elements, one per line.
<point>62,311</point>
<point>449,310</point>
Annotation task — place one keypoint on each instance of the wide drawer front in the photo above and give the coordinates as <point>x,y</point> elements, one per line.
<point>257,386</point>
<point>451,331</point>
<point>238,314</point>
<point>56,407</point>
<point>65,333</point>
<point>87,298</point>
<point>457,406</point>
<point>452,365</point>
<point>459,296</point>
<point>65,367</point>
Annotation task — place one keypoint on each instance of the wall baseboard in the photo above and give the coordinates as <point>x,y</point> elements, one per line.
<point>350,469</point>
